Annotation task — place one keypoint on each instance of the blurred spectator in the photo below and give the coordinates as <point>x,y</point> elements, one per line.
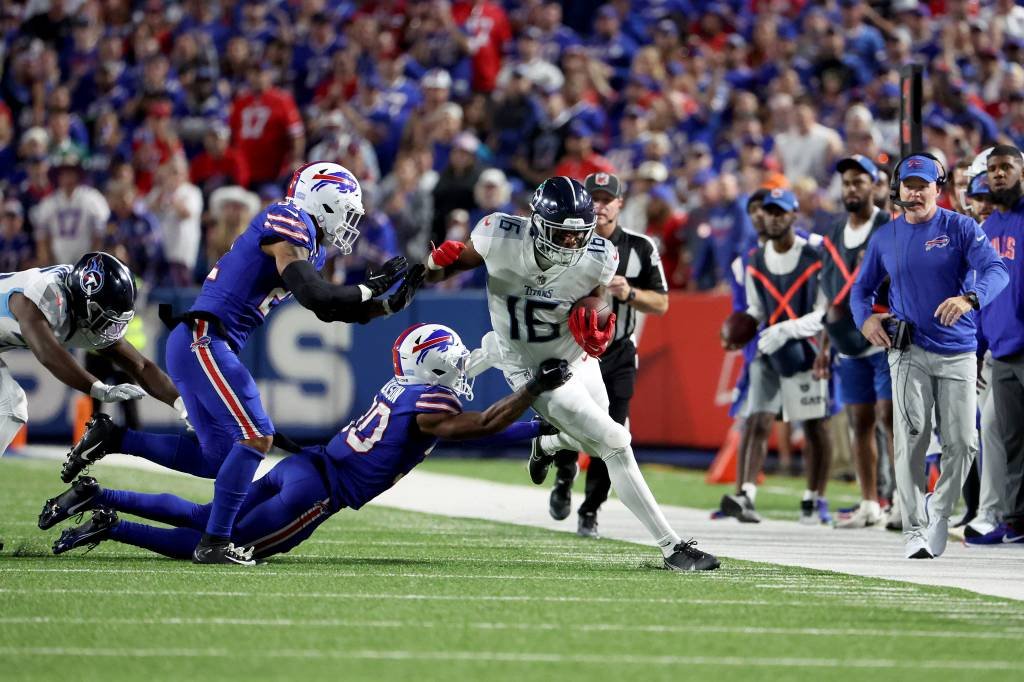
<point>515,110</point>
<point>634,211</point>
<point>204,106</point>
<point>178,206</point>
<point>410,206</point>
<point>231,208</point>
<point>154,143</point>
<point>267,129</point>
<point>580,159</point>
<point>670,226</point>
<point>454,187</point>
<point>529,64</point>
<point>17,252</point>
<point>110,146</point>
<point>8,153</point>
<point>36,184</point>
<point>377,244</point>
<point>493,194</point>
<point>72,220</point>
<point>544,143</point>
<point>815,213</point>
<point>487,29</point>
<point>133,234</point>
<point>720,232</point>
<point>219,164</point>
<point>805,147</point>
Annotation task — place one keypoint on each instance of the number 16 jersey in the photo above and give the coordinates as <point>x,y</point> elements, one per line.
<point>529,306</point>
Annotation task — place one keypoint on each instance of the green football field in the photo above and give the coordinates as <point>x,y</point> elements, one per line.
<point>386,595</point>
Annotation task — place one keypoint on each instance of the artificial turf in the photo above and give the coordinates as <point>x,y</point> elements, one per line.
<point>381,594</point>
<point>777,498</point>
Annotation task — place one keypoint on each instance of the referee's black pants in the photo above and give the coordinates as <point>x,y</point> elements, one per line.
<point>618,369</point>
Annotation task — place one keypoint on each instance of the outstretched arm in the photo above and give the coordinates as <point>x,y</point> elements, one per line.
<point>451,258</point>
<point>550,375</point>
<point>144,371</point>
<point>45,346</point>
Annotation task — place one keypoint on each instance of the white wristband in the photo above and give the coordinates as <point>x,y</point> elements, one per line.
<point>431,265</point>
<point>98,389</point>
<point>367,294</point>
<point>179,404</point>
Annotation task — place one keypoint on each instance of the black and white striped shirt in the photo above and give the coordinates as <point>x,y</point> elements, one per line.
<point>640,264</point>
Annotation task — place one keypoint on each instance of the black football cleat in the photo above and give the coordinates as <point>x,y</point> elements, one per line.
<point>539,462</point>
<point>740,507</point>
<point>587,527</point>
<point>79,498</point>
<point>91,533</point>
<point>560,502</point>
<point>101,438</point>
<point>686,557</point>
<point>221,552</point>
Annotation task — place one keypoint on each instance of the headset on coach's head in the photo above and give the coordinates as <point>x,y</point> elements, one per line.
<point>894,182</point>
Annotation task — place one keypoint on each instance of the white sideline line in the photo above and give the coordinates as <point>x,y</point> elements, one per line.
<point>514,657</point>
<point>581,627</point>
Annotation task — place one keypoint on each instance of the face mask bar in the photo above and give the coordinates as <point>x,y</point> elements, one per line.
<point>345,234</point>
<point>556,253</point>
<point>102,328</point>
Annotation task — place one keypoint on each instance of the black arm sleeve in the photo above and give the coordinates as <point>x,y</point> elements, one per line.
<point>330,302</point>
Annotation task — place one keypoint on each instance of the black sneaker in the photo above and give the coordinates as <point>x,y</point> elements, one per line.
<point>79,498</point>
<point>560,503</point>
<point>92,532</point>
<point>101,433</point>
<point>539,462</point>
<point>740,507</point>
<point>221,552</point>
<point>686,557</point>
<point>587,527</point>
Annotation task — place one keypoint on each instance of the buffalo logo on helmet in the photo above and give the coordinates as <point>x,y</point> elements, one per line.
<point>440,340</point>
<point>345,182</point>
<point>92,277</point>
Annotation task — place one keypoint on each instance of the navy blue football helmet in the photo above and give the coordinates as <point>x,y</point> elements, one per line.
<point>101,292</point>
<point>563,220</point>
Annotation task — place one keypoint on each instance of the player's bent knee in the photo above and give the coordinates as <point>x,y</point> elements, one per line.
<point>261,443</point>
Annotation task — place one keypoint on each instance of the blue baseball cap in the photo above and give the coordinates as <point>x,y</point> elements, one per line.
<point>979,186</point>
<point>858,162</point>
<point>917,166</point>
<point>782,198</point>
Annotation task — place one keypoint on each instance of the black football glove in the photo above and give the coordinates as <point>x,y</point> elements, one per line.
<point>404,294</point>
<point>379,281</point>
<point>551,374</point>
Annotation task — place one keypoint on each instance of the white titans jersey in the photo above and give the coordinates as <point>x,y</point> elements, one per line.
<point>529,306</point>
<point>73,223</point>
<point>45,288</point>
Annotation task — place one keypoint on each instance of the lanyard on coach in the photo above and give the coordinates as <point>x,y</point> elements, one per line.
<point>783,299</point>
<point>848,277</point>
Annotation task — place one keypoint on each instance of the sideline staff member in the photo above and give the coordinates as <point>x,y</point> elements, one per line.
<point>928,253</point>
<point>638,286</point>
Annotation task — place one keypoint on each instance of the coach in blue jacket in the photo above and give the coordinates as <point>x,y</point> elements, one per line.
<point>929,254</point>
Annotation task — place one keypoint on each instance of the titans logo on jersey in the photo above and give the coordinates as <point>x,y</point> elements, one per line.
<point>377,449</point>
<point>245,285</point>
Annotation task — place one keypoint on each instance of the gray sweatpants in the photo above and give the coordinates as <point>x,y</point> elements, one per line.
<point>921,380</point>
<point>992,494</point>
<point>1008,398</point>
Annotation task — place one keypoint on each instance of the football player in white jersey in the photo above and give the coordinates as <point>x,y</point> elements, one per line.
<point>88,305</point>
<point>537,267</point>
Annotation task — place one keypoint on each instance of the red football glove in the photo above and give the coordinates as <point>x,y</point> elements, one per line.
<point>583,325</point>
<point>445,255</point>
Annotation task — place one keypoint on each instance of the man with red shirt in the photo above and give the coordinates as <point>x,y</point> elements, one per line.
<point>266,128</point>
<point>488,29</point>
<point>218,164</point>
<point>580,159</point>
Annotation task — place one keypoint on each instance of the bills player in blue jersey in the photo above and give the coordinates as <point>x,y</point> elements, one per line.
<point>418,407</point>
<point>279,255</point>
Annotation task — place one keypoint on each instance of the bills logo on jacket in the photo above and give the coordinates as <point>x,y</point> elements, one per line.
<point>937,243</point>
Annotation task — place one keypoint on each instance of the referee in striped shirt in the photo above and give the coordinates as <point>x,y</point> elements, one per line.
<point>639,286</point>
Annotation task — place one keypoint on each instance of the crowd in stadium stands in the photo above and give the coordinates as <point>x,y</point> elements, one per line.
<point>157,129</point>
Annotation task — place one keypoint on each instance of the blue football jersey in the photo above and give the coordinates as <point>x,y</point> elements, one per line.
<point>377,449</point>
<point>245,286</point>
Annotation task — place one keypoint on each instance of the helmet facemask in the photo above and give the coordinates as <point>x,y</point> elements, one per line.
<point>563,243</point>
<point>341,231</point>
<point>101,327</point>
